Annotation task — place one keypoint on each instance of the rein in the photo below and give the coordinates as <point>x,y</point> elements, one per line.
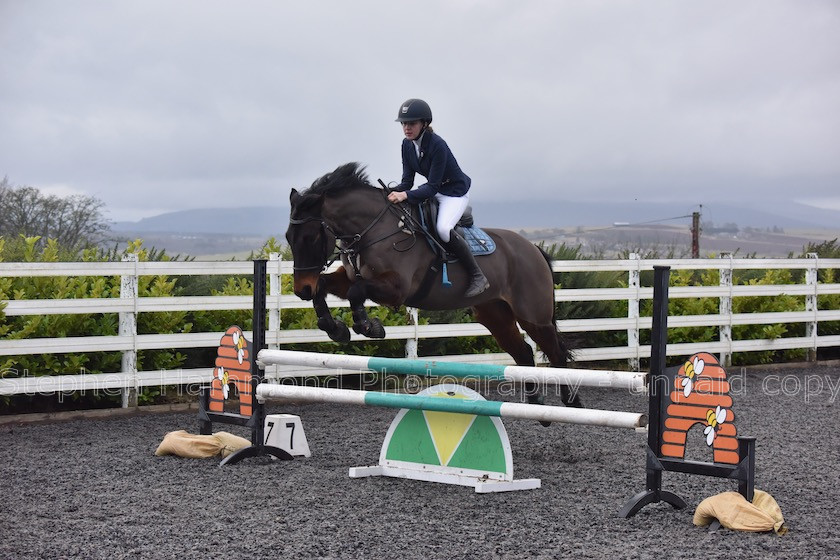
<point>352,250</point>
<point>413,224</point>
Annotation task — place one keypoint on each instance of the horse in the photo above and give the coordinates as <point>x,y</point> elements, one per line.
<point>386,260</point>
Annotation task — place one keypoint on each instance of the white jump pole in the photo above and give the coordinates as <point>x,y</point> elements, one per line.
<point>586,416</point>
<point>634,381</point>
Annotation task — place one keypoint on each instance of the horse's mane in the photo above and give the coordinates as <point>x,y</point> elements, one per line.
<point>347,176</point>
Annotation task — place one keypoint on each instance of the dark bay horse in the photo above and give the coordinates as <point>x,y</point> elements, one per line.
<point>384,260</point>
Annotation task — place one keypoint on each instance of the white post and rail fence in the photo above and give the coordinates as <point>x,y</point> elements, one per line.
<point>129,306</point>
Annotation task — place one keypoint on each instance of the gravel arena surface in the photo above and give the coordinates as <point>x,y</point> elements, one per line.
<point>92,488</point>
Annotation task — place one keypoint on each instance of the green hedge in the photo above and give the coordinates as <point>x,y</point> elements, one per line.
<point>107,324</point>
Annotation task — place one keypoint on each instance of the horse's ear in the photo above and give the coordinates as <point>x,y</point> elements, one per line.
<point>304,201</point>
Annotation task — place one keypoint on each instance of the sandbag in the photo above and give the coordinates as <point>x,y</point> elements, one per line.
<point>184,444</point>
<point>231,443</point>
<point>734,512</point>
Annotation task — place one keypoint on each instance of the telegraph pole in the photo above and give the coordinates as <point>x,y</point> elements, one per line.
<point>695,234</point>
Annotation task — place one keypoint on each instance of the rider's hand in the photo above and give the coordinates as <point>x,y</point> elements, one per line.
<point>397,196</point>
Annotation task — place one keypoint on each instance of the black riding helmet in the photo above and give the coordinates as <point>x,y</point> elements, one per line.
<point>415,110</point>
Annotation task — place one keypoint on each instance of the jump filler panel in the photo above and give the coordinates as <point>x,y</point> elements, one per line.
<point>232,367</point>
<point>700,395</point>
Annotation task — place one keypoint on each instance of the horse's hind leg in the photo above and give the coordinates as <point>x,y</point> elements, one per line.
<point>498,317</point>
<point>549,342</point>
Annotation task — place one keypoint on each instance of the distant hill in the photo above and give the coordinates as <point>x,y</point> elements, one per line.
<point>272,220</point>
<point>259,221</point>
<point>518,214</point>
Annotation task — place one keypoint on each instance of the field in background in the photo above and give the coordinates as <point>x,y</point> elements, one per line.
<point>604,241</point>
<point>609,241</point>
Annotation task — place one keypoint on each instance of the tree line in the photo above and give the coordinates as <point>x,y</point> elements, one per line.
<point>74,222</point>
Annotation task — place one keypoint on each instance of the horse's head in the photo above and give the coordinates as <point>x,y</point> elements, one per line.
<point>316,214</point>
<point>310,240</point>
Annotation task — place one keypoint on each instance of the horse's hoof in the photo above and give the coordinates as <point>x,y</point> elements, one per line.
<point>335,329</point>
<point>326,324</point>
<point>376,329</point>
<point>570,397</point>
<point>371,328</point>
<point>537,398</point>
<point>340,332</point>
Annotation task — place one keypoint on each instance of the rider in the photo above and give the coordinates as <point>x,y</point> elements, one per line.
<point>426,153</point>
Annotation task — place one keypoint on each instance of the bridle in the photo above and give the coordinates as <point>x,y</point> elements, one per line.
<point>325,228</point>
<point>350,246</point>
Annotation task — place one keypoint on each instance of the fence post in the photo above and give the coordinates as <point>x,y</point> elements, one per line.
<point>811,304</point>
<point>275,289</point>
<point>128,328</point>
<point>726,311</point>
<point>411,343</point>
<point>634,284</point>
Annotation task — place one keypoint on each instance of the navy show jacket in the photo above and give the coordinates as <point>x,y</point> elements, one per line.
<point>437,164</point>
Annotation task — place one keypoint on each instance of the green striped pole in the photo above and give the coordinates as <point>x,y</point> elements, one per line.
<point>586,416</point>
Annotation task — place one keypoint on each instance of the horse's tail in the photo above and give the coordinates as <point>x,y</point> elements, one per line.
<point>567,352</point>
<point>548,261</point>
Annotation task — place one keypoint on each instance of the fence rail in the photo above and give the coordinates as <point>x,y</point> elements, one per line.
<point>129,306</point>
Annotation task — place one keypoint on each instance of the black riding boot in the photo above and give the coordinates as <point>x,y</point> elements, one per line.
<point>478,282</point>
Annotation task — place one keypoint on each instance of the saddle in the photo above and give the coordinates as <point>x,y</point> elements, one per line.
<point>479,241</point>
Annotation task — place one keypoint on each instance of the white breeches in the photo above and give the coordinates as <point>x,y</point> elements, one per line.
<point>450,210</point>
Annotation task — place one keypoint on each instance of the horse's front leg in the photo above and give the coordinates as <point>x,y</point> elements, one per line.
<point>383,290</point>
<point>335,283</point>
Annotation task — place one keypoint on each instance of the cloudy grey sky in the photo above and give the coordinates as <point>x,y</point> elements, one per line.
<point>157,106</point>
